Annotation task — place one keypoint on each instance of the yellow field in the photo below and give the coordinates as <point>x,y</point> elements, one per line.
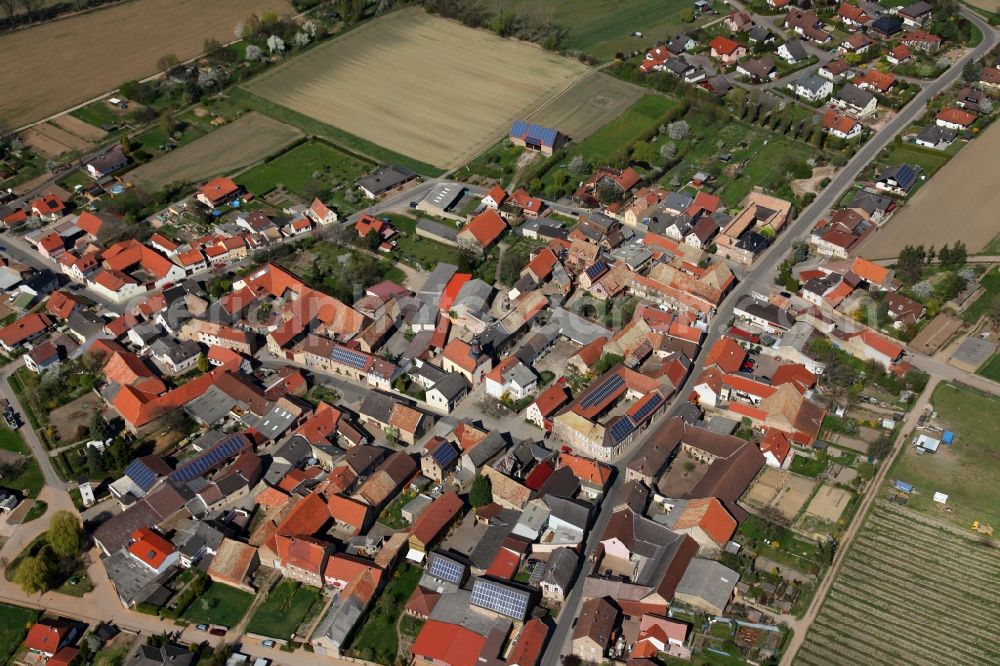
<point>588,106</point>
<point>61,63</point>
<point>957,204</point>
<point>422,86</point>
<point>246,140</point>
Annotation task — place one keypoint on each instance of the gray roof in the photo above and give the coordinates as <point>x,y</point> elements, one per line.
<point>576,328</point>
<point>169,653</point>
<point>386,178</point>
<point>709,580</point>
<point>870,202</point>
<point>339,621</point>
<point>677,201</point>
<point>917,9</point>
<point>451,386</point>
<point>569,511</point>
<point>177,352</point>
<point>133,580</point>
<point>522,375</point>
<point>935,134</point>
<point>438,279</point>
<point>377,406</point>
<point>211,406</point>
<point>561,568</point>
<point>812,83</point>
<point>796,49</point>
<point>485,450</point>
<point>444,195</point>
<point>855,96</point>
<point>275,421</point>
<point>475,296</point>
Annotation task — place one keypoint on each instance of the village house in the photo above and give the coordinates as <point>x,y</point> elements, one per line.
<point>726,50</point>
<point>218,192</point>
<point>545,140</point>
<point>386,179</point>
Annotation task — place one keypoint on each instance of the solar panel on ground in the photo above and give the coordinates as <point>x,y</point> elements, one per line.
<point>349,357</point>
<point>648,408</point>
<point>603,390</point>
<point>445,569</point>
<point>140,474</point>
<point>207,460</point>
<point>507,601</point>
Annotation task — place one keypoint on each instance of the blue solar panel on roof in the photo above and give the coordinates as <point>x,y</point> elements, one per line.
<point>531,133</point>
<point>444,569</point>
<point>348,357</point>
<point>445,454</point>
<point>648,408</point>
<point>140,474</point>
<point>622,429</point>
<point>501,599</point>
<point>601,393</point>
<point>596,269</point>
<point>208,459</point>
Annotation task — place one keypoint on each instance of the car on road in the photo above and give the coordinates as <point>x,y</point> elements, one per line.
<point>413,204</point>
<point>269,643</point>
<point>201,627</point>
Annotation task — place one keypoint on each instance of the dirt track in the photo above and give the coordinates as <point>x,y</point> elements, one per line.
<point>422,86</point>
<point>60,63</point>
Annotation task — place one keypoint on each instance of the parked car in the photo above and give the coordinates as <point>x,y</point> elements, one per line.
<point>269,643</point>
<point>201,627</point>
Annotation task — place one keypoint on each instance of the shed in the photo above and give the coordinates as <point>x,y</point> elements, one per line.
<point>903,486</point>
<point>928,443</point>
<point>948,438</point>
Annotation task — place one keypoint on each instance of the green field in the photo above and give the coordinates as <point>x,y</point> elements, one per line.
<point>14,623</point>
<point>969,470</point>
<point>308,170</point>
<point>98,113</point>
<point>30,479</point>
<point>603,27</point>
<point>283,611</point>
<point>992,369</point>
<point>376,641</point>
<point>928,159</point>
<point>413,249</point>
<point>338,136</point>
<point>991,283</point>
<point>220,604</point>
<point>806,466</point>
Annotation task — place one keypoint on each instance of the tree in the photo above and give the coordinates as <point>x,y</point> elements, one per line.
<point>211,45</point>
<point>29,7</point>
<point>579,164</point>
<point>909,264</point>
<point>33,575</point>
<point>168,61</point>
<point>481,492</point>
<point>253,53</point>
<point>95,462</point>
<point>203,364</point>
<point>300,39</point>
<point>100,430</point>
<point>971,71</point>
<point>65,535</point>
<point>668,150</point>
<point>677,130</point>
<point>686,15</point>
<point>167,124</point>
<point>275,44</point>
<point>10,6</point>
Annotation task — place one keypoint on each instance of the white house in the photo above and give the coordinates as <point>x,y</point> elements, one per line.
<point>812,88</point>
<point>511,378</point>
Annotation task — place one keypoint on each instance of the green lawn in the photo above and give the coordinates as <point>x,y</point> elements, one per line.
<point>30,478</point>
<point>603,27</point>
<point>992,369</point>
<point>625,129</point>
<point>392,515</point>
<point>498,163</point>
<point>98,113</point>
<point>334,134</point>
<point>991,283</point>
<point>376,641</point>
<point>810,467</point>
<point>284,609</point>
<point>310,169</point>
<point>969,470</point>
<point>220,604</point>
<point>14,623</point>
<point>928,159</point>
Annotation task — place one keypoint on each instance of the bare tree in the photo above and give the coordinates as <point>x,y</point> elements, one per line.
<point>29,7</point>
<point>10,7</point>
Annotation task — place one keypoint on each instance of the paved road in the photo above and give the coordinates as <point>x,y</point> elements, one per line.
<point>800,627</point>
<point>760,277</point>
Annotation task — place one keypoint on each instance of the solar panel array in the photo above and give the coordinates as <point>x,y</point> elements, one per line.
<point>651,405</point>
<point>621,429</point>
<point>445,454</point>
<point>349,357</point>
<point>602,392</point>
<point>208,460</point>
<point>596,269</point>
<point>531,133</point>
<point>140,474</point>
<point>507,601</point>
<point>445,569</point>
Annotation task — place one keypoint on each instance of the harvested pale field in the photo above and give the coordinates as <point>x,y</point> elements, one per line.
<point>828,504</point>
<point>934,335</point>
<point>246,140</point>
<point>76,126</point>
<point>588,106</point>
<point>793,496</point>
<point>60,63</point>
<point>969,204</point>
<point>421,86</point>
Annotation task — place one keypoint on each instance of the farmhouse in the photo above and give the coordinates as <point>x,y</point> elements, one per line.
<point>483,231</point>
<point>921,41</point>
<point>545,140</point>
<point>384,180</point>
<point>917,14</point>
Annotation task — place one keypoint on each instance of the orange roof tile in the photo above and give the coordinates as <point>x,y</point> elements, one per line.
<point>149,547</point>
<point>448,644</point>
<point>727,354</point>
<point>486,228</point>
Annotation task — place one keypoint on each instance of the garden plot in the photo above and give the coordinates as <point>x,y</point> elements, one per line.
<point>765,488</point>
<point>828,504</point>
<point>793,496</point>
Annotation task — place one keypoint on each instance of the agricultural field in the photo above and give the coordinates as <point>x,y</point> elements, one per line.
<point>602,28</point>
<point>969,470</point>
<point>242,142</point>
<point>588,106</point>
<point>974,219</point>
<point>473,85</point>
<point>904,575</point>
<point>62,135</point>
<point>991,370</point>
<point>73,56</point>
<point>310,169</point>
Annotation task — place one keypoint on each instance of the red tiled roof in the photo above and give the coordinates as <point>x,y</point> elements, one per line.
<point>149,547</point>
<point>504,565</point>
<point>794,373</point>
<point>448,644</point>
<point>551,399</point>
<point>956,116</point>
<point>429,524</point>
<point>451,290</point>
<point>497,193</point>
<point>347,511</point>
<point>527,649</point>
<point>869,271</point>
<point>24,328</point>
<point>218,188</point>
<point>710,515</point>
<point>89,223</point>
<point>346,568</point>
<point>727,354</point>
<point>723,46</point>
<point>61,304</point>
<point>586,469</point>
<point>776,444</point>
<point>486,227</point>
<point>46,637</point>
